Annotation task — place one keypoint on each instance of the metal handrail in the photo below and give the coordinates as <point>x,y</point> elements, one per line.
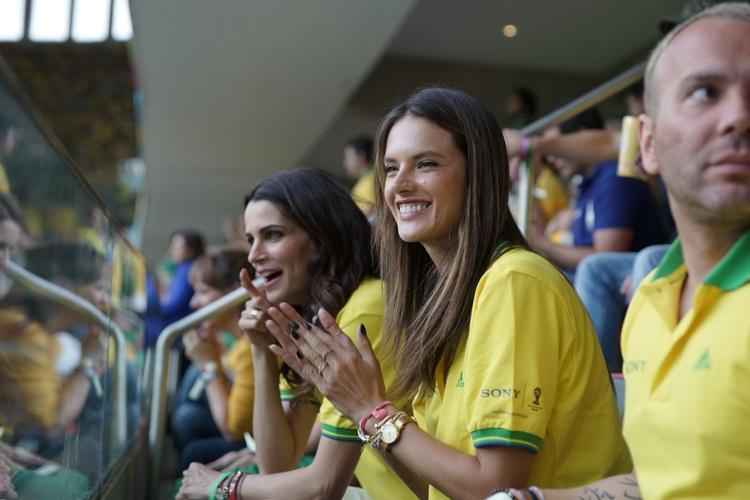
<point>164,344</point>
<point>586,101</point>
<point>72,301</point>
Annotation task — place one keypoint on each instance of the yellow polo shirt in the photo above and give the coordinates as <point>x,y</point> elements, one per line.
<point>529,374</point>
<point>365,306</point>
<point>687,403</point>
<point>363,192</point>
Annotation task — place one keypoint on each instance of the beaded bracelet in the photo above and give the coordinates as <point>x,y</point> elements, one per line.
<point>232,485</point>
<point>238,489</point>
<point>214,491</point>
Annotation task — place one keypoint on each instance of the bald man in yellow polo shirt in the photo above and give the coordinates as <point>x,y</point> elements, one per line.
<point>686,338</point>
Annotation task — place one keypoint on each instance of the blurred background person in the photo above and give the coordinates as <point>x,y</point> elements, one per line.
<point>169,292</point>
<point>358,157</point>
<point>520,108</point>
<point>214,404</point>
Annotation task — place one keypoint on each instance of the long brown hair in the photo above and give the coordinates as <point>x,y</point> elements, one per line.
<point>428,312</point>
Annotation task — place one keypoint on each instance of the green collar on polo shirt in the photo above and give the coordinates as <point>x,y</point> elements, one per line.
<point>730,273</point>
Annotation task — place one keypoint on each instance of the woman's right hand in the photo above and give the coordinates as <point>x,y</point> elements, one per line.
<point>253,317</point>
<point>233,460</point>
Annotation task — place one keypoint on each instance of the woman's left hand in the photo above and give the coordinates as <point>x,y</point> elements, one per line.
<point>348,375</point>
<point>196,481</point>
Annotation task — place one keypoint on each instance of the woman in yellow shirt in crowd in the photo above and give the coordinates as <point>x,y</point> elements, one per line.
<point>509,383</point>
<point>215,401</point>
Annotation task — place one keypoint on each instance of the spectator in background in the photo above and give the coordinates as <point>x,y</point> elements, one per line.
<point>520,108</point>
<point>634,99</point>
<point>168,297</point>
<point>603,280</point>
<point>212,420</point>
<point>612,213</point>
<point>233,230</point>
<point>358,157</point>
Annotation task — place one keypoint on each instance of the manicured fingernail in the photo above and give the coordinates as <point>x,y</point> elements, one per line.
<point>294,330</point>
<point>362,329</point>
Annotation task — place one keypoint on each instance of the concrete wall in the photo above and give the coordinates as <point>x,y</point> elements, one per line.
<point>394,78</point>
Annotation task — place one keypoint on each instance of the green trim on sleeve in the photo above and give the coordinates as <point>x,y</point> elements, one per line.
<point>503,437</point>
<point>338,433</point>
<point>287,394</point>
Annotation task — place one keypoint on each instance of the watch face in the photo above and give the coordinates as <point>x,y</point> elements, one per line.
<point>389,433</point>
<point>501,496</point>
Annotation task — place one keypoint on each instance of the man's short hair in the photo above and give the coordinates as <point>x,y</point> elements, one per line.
<point>363,145</point>
<point>734,11</point>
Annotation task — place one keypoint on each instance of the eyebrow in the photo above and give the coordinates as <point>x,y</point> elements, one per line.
<point>266,228</point>
<point>418,156</point>
<point>703,77</point>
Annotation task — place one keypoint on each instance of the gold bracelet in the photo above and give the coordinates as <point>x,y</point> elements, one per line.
<point>388,430</point>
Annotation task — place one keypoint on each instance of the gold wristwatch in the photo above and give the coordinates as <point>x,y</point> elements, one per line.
<point>390,430</point>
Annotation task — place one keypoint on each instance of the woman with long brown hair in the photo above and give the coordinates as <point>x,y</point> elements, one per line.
<point>509,384</point>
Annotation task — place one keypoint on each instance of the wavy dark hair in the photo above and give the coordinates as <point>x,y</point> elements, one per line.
<point>427,313</point>
<point>340,232</point>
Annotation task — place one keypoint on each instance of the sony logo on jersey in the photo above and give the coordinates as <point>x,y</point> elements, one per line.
<point>500,392</point>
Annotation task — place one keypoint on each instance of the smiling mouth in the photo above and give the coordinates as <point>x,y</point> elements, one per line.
<point>409,209</point>
<point>271,277</point>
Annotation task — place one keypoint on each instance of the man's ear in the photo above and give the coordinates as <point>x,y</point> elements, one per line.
<point>648,155</point>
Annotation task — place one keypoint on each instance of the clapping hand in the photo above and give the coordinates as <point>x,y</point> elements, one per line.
<point>348,375</point>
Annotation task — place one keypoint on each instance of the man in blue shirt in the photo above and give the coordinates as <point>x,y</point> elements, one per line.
<point>607,201</point>
<point>613,214</point>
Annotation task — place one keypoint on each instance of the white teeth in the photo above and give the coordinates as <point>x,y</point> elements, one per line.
<point>259,281</point>
<point>411,208</point>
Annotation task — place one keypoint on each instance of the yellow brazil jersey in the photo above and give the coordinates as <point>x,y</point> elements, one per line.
<point>29,385</point>
<point>687,404</point>
<point>365,306</point>
<point>529,374</point>
<point>363,192</point>
<point>240,402</point>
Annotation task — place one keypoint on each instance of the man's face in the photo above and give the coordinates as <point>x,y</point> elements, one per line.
<point>698,137</point>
